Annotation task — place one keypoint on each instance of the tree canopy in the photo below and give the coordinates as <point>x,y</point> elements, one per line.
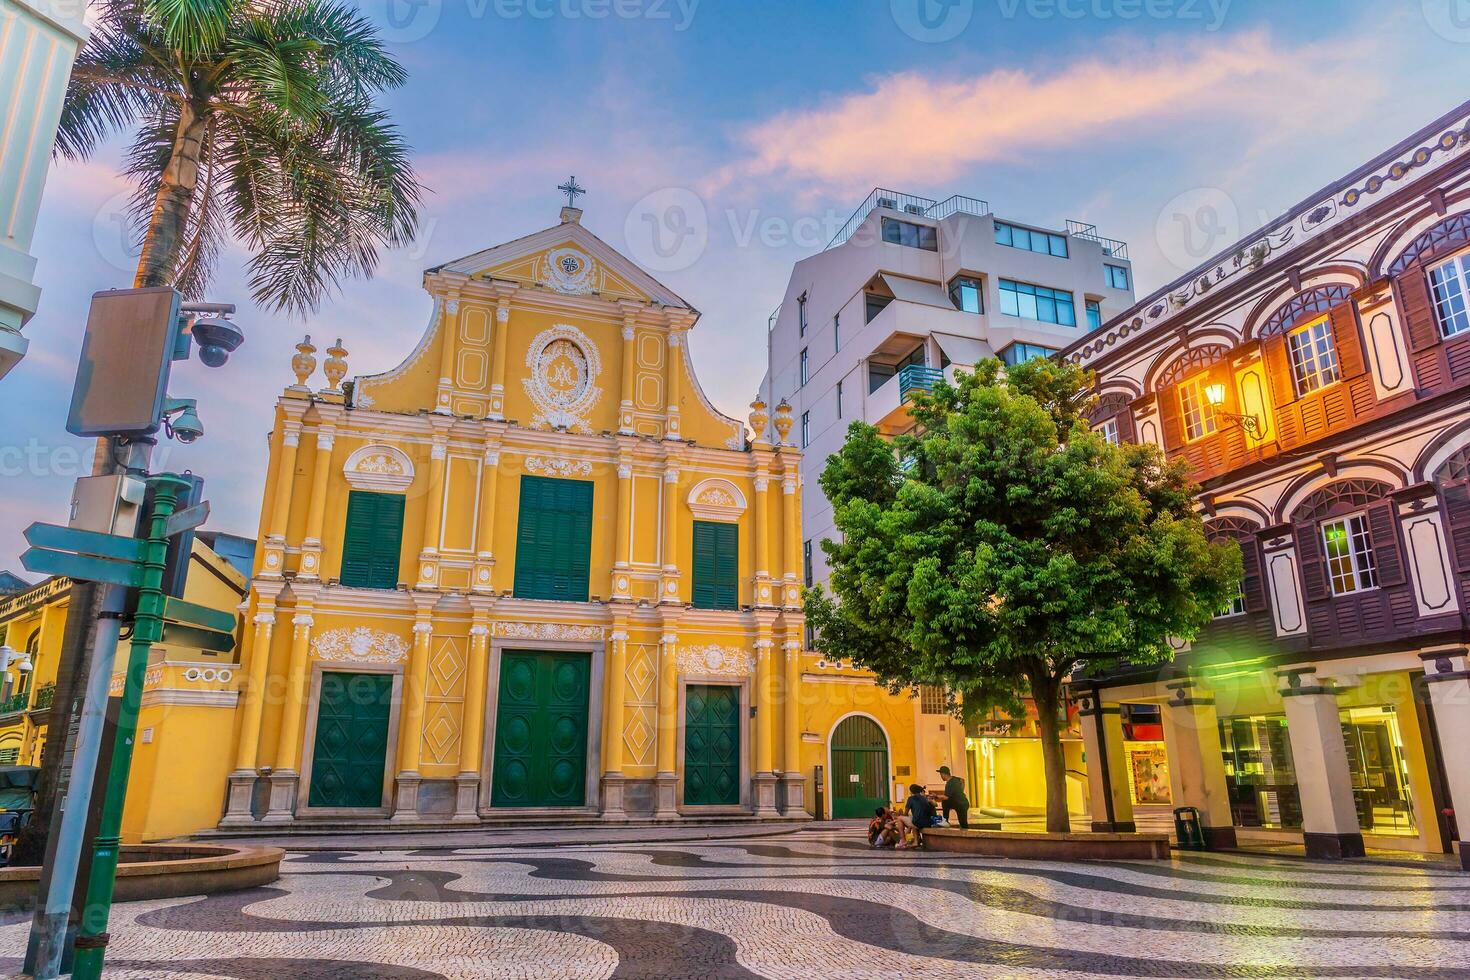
<point>1002,545</point>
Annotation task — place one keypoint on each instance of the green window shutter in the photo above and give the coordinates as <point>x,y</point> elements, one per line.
<point>554,539</point>
<point>716,565</point>
<point>372,540</point>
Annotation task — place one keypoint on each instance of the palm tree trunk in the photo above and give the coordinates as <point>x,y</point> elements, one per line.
<point>1046,692</point>
<point>165,237</point>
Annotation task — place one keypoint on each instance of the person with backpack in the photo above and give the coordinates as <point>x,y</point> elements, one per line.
<point>954,798</point>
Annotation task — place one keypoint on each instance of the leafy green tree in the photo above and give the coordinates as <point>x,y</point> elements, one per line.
<point>1002,545</point>
<point>257,120</point>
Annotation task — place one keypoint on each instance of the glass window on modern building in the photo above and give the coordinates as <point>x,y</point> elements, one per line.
<point>836,332</point>
<point>801,315</point>
<point>1017,353</point>
<point>806,563</point>
<point>1449,281</point>
<point>1198,413</point>
<point>1348,548</point>
<point>1031,302</point>
<point>805,377</point>
<point>806,429</point>
<point>873,304</point>
<point>1116,276</point>
<point>1043,242</point>
<point>1094,315</point>
<point>1313,356</point>
<point>839,399</point>
<point>964,293</point>
<point>910,235</point>
<point>1260,777</point>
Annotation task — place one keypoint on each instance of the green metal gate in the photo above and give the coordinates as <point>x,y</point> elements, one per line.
<point>711,745</point>
<point>859,768</point>
<point>541,729</point>
<point>351,745</point>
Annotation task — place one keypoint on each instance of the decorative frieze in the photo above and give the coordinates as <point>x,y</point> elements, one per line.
<point>711,658</point>
<point>558,467</point>
<point>548,631</point>
<point>359,644</point>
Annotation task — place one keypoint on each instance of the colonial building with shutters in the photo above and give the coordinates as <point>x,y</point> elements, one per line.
<point>1314,377</point>
<point>531,570</point>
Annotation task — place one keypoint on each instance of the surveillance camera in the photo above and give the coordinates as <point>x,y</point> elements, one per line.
<point>186,426</point>
<point>217,338</point>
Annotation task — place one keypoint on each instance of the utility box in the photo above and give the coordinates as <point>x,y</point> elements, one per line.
<point>133,337</point>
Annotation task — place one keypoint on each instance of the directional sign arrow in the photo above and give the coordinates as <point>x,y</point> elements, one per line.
<point>188,636</point>
<point>82,567</point>
<point>54,537</point>
<point>187,519</point>
<point>179,611</point>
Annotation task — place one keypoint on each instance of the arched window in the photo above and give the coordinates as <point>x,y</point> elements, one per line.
<point>1456,467</point>
<point>1338,496</point>
<point>1252,595</point>
<point>1347,539</point>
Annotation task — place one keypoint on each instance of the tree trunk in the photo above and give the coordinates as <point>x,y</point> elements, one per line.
<point>1046,692</point>
<point>170,219</point>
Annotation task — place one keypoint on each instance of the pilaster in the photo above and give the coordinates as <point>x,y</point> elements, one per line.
<point>483,580</point>
<point>622,537</point>
<point>428,573</point>
<point>1107,766</point>
<point>626,398</point>
<point>666,780</point>
<point>285,776</point>
<point>497,364</point>
<point>1319,756</point>
<point>238,805</point>
<point>1447,678</point>
<point>411,721</point>
<point>668,581</point>
<point>273,559</point>
<point>310,566</point>
<point>472,720</point>
<point>1196,765</point>
<point>614,695</point>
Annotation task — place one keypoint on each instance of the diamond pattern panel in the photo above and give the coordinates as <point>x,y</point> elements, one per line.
<point>444,699</point>
<point>640,703</point>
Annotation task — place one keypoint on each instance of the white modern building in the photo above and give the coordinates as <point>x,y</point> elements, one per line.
<point>38,42</point>
<point>911,288</point>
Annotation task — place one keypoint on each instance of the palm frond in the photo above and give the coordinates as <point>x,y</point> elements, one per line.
<point>114,83</point>
<point>191,27</point>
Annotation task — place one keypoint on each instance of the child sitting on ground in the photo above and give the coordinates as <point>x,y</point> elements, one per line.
<point>882,829</point>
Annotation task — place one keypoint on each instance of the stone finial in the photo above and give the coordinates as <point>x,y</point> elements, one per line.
<point>335,366</point>
<point>304,363</point>
<point>760,420</point>
<point>784,421</point>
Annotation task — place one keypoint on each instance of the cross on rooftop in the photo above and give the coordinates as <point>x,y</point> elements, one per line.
<point>571,190</point>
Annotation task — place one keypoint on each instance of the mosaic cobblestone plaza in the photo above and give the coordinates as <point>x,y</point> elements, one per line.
<point>816,902</point>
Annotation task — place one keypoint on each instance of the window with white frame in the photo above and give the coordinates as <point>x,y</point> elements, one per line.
<point>1109,431</point>
<point>1236,606</point>
<point>1348,548</point>
<point>1451,294</point>
<point>1313,356</point>
<point>1198,413</point>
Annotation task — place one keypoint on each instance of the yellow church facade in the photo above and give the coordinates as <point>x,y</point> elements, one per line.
<point>531,570</point>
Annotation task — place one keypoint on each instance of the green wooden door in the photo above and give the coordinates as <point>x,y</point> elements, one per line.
<point>859,768</point>
<point>711,745</point>
<point>351,746</point>
<point>541,729</point>
<point>554,539</point>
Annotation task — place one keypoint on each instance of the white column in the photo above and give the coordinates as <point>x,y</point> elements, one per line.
<point>1107,766</point>
<point>1196,765</point>
<point>1447,675</point>
<point>1319,756</point>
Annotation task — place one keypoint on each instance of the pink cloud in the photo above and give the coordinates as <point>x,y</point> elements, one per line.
<point>917,128</point>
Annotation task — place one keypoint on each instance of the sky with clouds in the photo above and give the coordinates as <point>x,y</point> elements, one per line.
<point>722,140</point>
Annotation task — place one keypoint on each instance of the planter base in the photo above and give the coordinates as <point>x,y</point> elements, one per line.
<point>1049,847</point>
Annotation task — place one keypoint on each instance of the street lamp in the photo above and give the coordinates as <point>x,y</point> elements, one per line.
<point>1215,395</point>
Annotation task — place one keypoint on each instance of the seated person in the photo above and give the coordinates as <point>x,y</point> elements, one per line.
<point>883,829</point>
<point>919,816</point>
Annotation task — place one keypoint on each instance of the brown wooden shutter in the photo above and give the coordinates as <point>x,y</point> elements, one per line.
<point>1348,340</point>
<point>1411,293</point>
<point>1278,371</point>
<point>1252,584</point>
<point>1309,556</point>
<point>1457,521</point>
<point>1127,432</point>
<point>1383,525</point>
<point>1169,417</point>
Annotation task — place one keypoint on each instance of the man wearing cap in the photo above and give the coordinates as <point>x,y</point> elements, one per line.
<point>954,798</point>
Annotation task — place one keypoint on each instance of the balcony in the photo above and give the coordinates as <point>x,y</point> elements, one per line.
<point>916,377</point>
<point>924,207</point>
<point>15,703</point>
<point>45,696</point>
<point>887,407</point>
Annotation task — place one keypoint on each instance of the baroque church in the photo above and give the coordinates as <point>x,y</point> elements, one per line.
<point>531,569</point>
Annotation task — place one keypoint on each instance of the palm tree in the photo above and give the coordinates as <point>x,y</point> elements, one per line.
<point>257,120</point>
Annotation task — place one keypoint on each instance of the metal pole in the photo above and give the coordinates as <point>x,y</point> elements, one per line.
<point>91,944</point>
<point>50,923</point>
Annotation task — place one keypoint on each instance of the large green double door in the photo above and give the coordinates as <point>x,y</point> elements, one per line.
<point>351,744</point>
<point>541,729</point>
<point>711,745</point>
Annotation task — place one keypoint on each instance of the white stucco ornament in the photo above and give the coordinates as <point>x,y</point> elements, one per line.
<point>568,270</point>
<point>715,659</point>
<point>359,644</point>
<point>548,631</point>
<point>562,368</point>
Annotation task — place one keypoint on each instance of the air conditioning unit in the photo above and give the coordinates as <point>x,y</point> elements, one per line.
<point>914,208</point>
<point>888,202</point>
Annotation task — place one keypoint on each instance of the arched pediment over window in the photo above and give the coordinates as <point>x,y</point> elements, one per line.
<point>379,467</point>
<point>1338,496</point>
<point>716,500</point>
<point>1306,305</point>
<point>1449,233</point>
<point>1190,361</point>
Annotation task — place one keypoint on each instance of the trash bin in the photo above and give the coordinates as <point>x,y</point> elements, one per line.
<point>1188,829</point>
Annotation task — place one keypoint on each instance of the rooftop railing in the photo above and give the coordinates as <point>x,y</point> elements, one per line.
<point>923,207</point>
<point>1111,247</point>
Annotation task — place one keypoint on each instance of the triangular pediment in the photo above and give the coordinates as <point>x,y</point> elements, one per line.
<point>566,258</point>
